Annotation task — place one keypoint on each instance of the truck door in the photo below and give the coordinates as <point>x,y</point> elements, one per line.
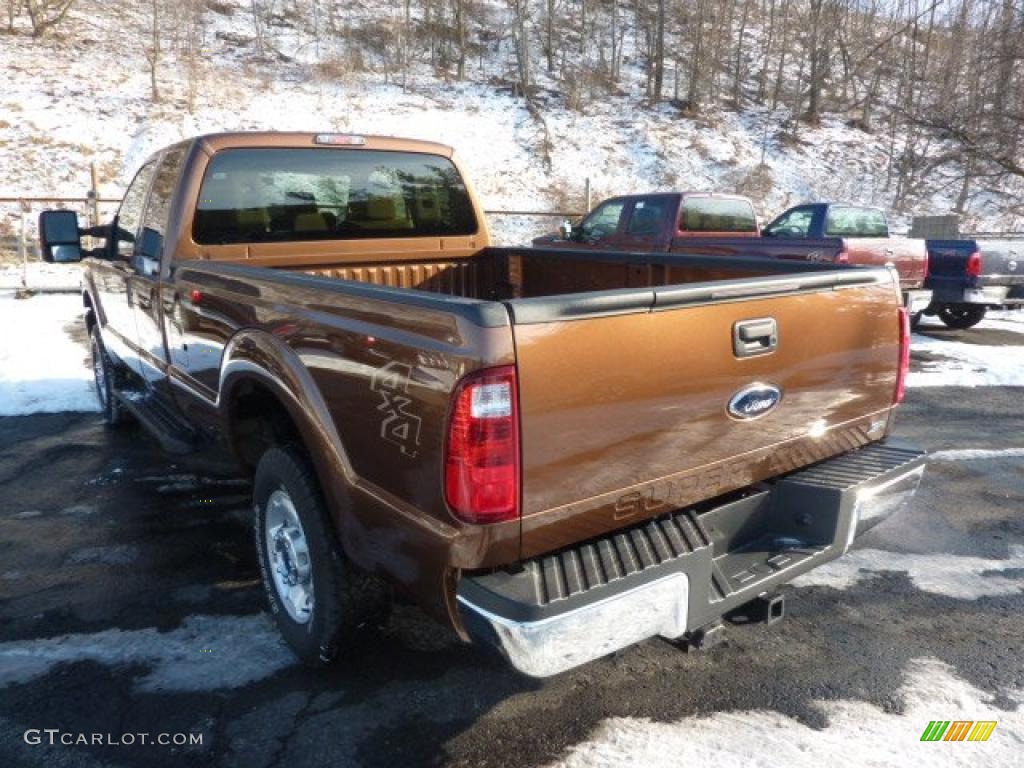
<point>602,226</point>
<point>114,277</point>
<point>146,266</point>
<point>649,223</point>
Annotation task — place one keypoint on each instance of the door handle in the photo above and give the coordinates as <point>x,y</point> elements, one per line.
<point>755,337</point>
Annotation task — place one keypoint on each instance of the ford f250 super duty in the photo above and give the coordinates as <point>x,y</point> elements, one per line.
<point>967,277</point>
<point>716,224</point>
<point>554,452</point>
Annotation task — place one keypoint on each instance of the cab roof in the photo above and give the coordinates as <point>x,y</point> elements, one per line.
<point>214,142</point>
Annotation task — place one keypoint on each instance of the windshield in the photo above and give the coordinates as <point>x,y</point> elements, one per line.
<point>257,195</point>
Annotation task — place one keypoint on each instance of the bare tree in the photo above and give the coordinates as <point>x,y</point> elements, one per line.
<point>153,50</point>
<point>521,9</point>
<point>45,14</point>
<point>658,62</point>
<point>191,44</point>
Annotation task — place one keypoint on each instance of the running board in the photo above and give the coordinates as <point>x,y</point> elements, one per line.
<point>168,430</point>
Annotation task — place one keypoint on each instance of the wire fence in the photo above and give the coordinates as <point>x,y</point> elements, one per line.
<point>19,216</point>
<point>21,264</point>
<point>19,245</point>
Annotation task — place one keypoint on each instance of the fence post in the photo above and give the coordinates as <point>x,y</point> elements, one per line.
<point>94,197</point>
<point>587,188</point>
<point>22,244</point>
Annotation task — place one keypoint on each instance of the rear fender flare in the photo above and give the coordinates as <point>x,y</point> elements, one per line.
<point>262,358</point>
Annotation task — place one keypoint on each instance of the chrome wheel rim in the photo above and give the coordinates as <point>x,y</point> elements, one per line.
<point>288,554</point>
<point>99,372</point>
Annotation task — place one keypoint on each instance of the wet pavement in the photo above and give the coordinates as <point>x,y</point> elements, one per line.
<point>130,603</point>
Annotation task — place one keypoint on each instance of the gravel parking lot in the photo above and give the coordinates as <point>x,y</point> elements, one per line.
<point>130,604</point>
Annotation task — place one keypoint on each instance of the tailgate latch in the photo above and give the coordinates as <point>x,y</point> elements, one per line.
<point>755,337</point>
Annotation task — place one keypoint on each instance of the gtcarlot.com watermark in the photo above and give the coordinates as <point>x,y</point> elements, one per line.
<point>55,736</point>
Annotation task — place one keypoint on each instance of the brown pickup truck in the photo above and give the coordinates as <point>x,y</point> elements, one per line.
<point>555,452</point>
<point>726,225</point>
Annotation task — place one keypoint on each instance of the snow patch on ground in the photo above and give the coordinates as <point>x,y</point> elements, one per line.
<point>962,364</point>
<point>960,577</point>
<point>38,275</point>
<point>204,653</point>
<point>1003,320</point>
<point>42,370</point>
<point>858,735</point>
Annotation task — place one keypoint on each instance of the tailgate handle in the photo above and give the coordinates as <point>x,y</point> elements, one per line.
<point>755,337</point>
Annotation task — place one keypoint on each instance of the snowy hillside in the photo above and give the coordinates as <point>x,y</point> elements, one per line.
<point>86,97</point>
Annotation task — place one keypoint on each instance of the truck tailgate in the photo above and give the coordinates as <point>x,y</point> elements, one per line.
<point>1002,262</point>
<point>625,395</point>
<point>909,256</point>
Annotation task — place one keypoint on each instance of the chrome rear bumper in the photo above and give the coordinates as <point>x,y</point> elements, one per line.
<point>675,574</point>
<point>548,646</point>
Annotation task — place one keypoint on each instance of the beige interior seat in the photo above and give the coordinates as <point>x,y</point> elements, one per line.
<point>310,221</point>
<point>428,207</point>
<point>253,220</point>
<point>382,213</point>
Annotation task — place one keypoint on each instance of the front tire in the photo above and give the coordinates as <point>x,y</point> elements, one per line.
<point>961,316</point>
<point>319,601</point>
<point>105,376</point>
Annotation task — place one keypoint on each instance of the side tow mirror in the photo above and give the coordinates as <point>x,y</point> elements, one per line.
<point>59,237</point>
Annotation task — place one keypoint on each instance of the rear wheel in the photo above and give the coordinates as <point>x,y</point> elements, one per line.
<point>961,316</point>
<point>105,376</point>
<point>318,599</point>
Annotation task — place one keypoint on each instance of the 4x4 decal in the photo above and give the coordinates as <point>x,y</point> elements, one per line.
<point>399,425</point>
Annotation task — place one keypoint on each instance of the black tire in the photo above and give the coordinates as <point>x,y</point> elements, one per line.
<point>962,316</point>
<point>106,377</point>
<point>915,319</point>
<point>344,600</point>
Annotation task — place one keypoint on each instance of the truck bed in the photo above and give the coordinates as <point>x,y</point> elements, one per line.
<point>504,274</point>
<point>626,363</point>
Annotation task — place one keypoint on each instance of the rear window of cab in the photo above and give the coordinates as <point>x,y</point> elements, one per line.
<point>853,221</point>
<point>282,194</point>
<point>717,214</point>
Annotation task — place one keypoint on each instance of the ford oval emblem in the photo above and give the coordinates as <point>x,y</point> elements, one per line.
<point>754,401</point>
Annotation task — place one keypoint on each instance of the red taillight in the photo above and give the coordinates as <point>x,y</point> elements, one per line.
<point>974,264</point>
<point>901,376</point>
<point>481,465</point>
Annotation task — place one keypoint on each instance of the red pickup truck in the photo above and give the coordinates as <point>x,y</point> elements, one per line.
<point>714,224</point>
